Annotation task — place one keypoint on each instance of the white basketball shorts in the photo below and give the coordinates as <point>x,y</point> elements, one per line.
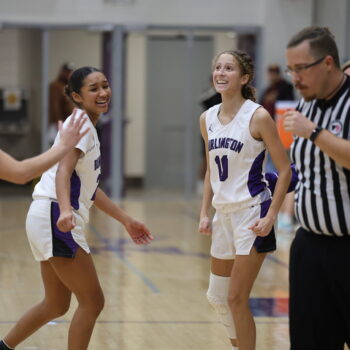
<point>45,239</point>
<point>231,236</point>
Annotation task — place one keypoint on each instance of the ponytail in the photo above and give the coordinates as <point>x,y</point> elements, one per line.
<point>248,92</point>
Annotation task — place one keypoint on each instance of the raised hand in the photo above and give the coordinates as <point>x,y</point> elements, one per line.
<point>71,135</point>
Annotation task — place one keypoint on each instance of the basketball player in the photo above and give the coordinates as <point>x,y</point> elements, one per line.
<point>237,133</point>
<point>20,172</point>
<point>56,224</point>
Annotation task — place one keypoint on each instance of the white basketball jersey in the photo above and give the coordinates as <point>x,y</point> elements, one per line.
<point>85,177</point>
<point>236,159</point>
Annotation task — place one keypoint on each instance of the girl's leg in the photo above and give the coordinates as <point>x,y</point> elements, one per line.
<point>244,273</point>
<point>218,294</point>
<point>79,276</point>
<point>55,304</point>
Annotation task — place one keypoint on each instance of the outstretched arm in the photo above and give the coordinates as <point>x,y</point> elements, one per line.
<point>138,232</point>
<point>23,171</point>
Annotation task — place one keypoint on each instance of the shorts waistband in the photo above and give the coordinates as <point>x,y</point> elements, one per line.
<point>233,207</point>
<point>42,198</point>
<point>249,203</point>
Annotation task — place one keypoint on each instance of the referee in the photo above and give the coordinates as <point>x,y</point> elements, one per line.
<point>320,252</point>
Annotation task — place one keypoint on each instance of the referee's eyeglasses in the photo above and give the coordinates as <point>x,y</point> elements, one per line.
<point>300,69</point>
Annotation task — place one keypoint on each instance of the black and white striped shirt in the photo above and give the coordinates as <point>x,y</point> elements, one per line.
<point>323,192</point>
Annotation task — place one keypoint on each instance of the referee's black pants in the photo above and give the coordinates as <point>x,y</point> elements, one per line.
<point>319,282</point>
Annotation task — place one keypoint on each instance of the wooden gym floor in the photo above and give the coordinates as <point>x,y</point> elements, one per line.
<point>155,295</point>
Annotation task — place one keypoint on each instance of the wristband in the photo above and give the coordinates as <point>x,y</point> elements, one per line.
<point>315,133</point>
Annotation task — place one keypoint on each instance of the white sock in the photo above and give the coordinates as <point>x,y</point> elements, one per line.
<point>234,347</point>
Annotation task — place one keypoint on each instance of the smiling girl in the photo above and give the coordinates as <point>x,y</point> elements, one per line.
<point>237,133</point>
<point>57,220</point>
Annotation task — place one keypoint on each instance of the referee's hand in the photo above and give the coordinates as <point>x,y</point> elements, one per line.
<point>298,124</point>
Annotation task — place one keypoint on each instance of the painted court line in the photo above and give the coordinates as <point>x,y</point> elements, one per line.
<point>125,261</point>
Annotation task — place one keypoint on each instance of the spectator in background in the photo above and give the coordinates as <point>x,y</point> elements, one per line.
<point>277,90</point>
<point>60,107</point>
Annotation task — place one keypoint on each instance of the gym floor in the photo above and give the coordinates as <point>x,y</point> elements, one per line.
<point>156,294</point>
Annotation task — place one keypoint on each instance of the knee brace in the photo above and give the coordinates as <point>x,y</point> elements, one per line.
<point>217,296</point>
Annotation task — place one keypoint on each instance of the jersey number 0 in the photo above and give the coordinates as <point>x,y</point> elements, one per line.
<point>222,167</point>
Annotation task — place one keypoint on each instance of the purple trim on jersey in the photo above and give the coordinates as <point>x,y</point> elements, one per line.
<point>75,185</point>
<point>255,178</point>
<point>98,181</point>
<point>268,243</point>
<point>294,180</point>
<point>63,243</point>
<point>273,177</point>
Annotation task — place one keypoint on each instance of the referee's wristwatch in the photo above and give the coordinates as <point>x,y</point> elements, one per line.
<point>315,133</point>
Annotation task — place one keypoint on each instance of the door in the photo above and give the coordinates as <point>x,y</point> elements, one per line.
<point>167,106</point>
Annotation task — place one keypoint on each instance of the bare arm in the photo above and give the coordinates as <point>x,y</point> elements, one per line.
<point>204,221</point>
<point>263,127</point>
<point>66,221</point>
<point>138,232</point>
<point>23,171</point>
<point>335,147</point>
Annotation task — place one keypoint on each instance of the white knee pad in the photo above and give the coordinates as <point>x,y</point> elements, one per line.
<point>217,296</point>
